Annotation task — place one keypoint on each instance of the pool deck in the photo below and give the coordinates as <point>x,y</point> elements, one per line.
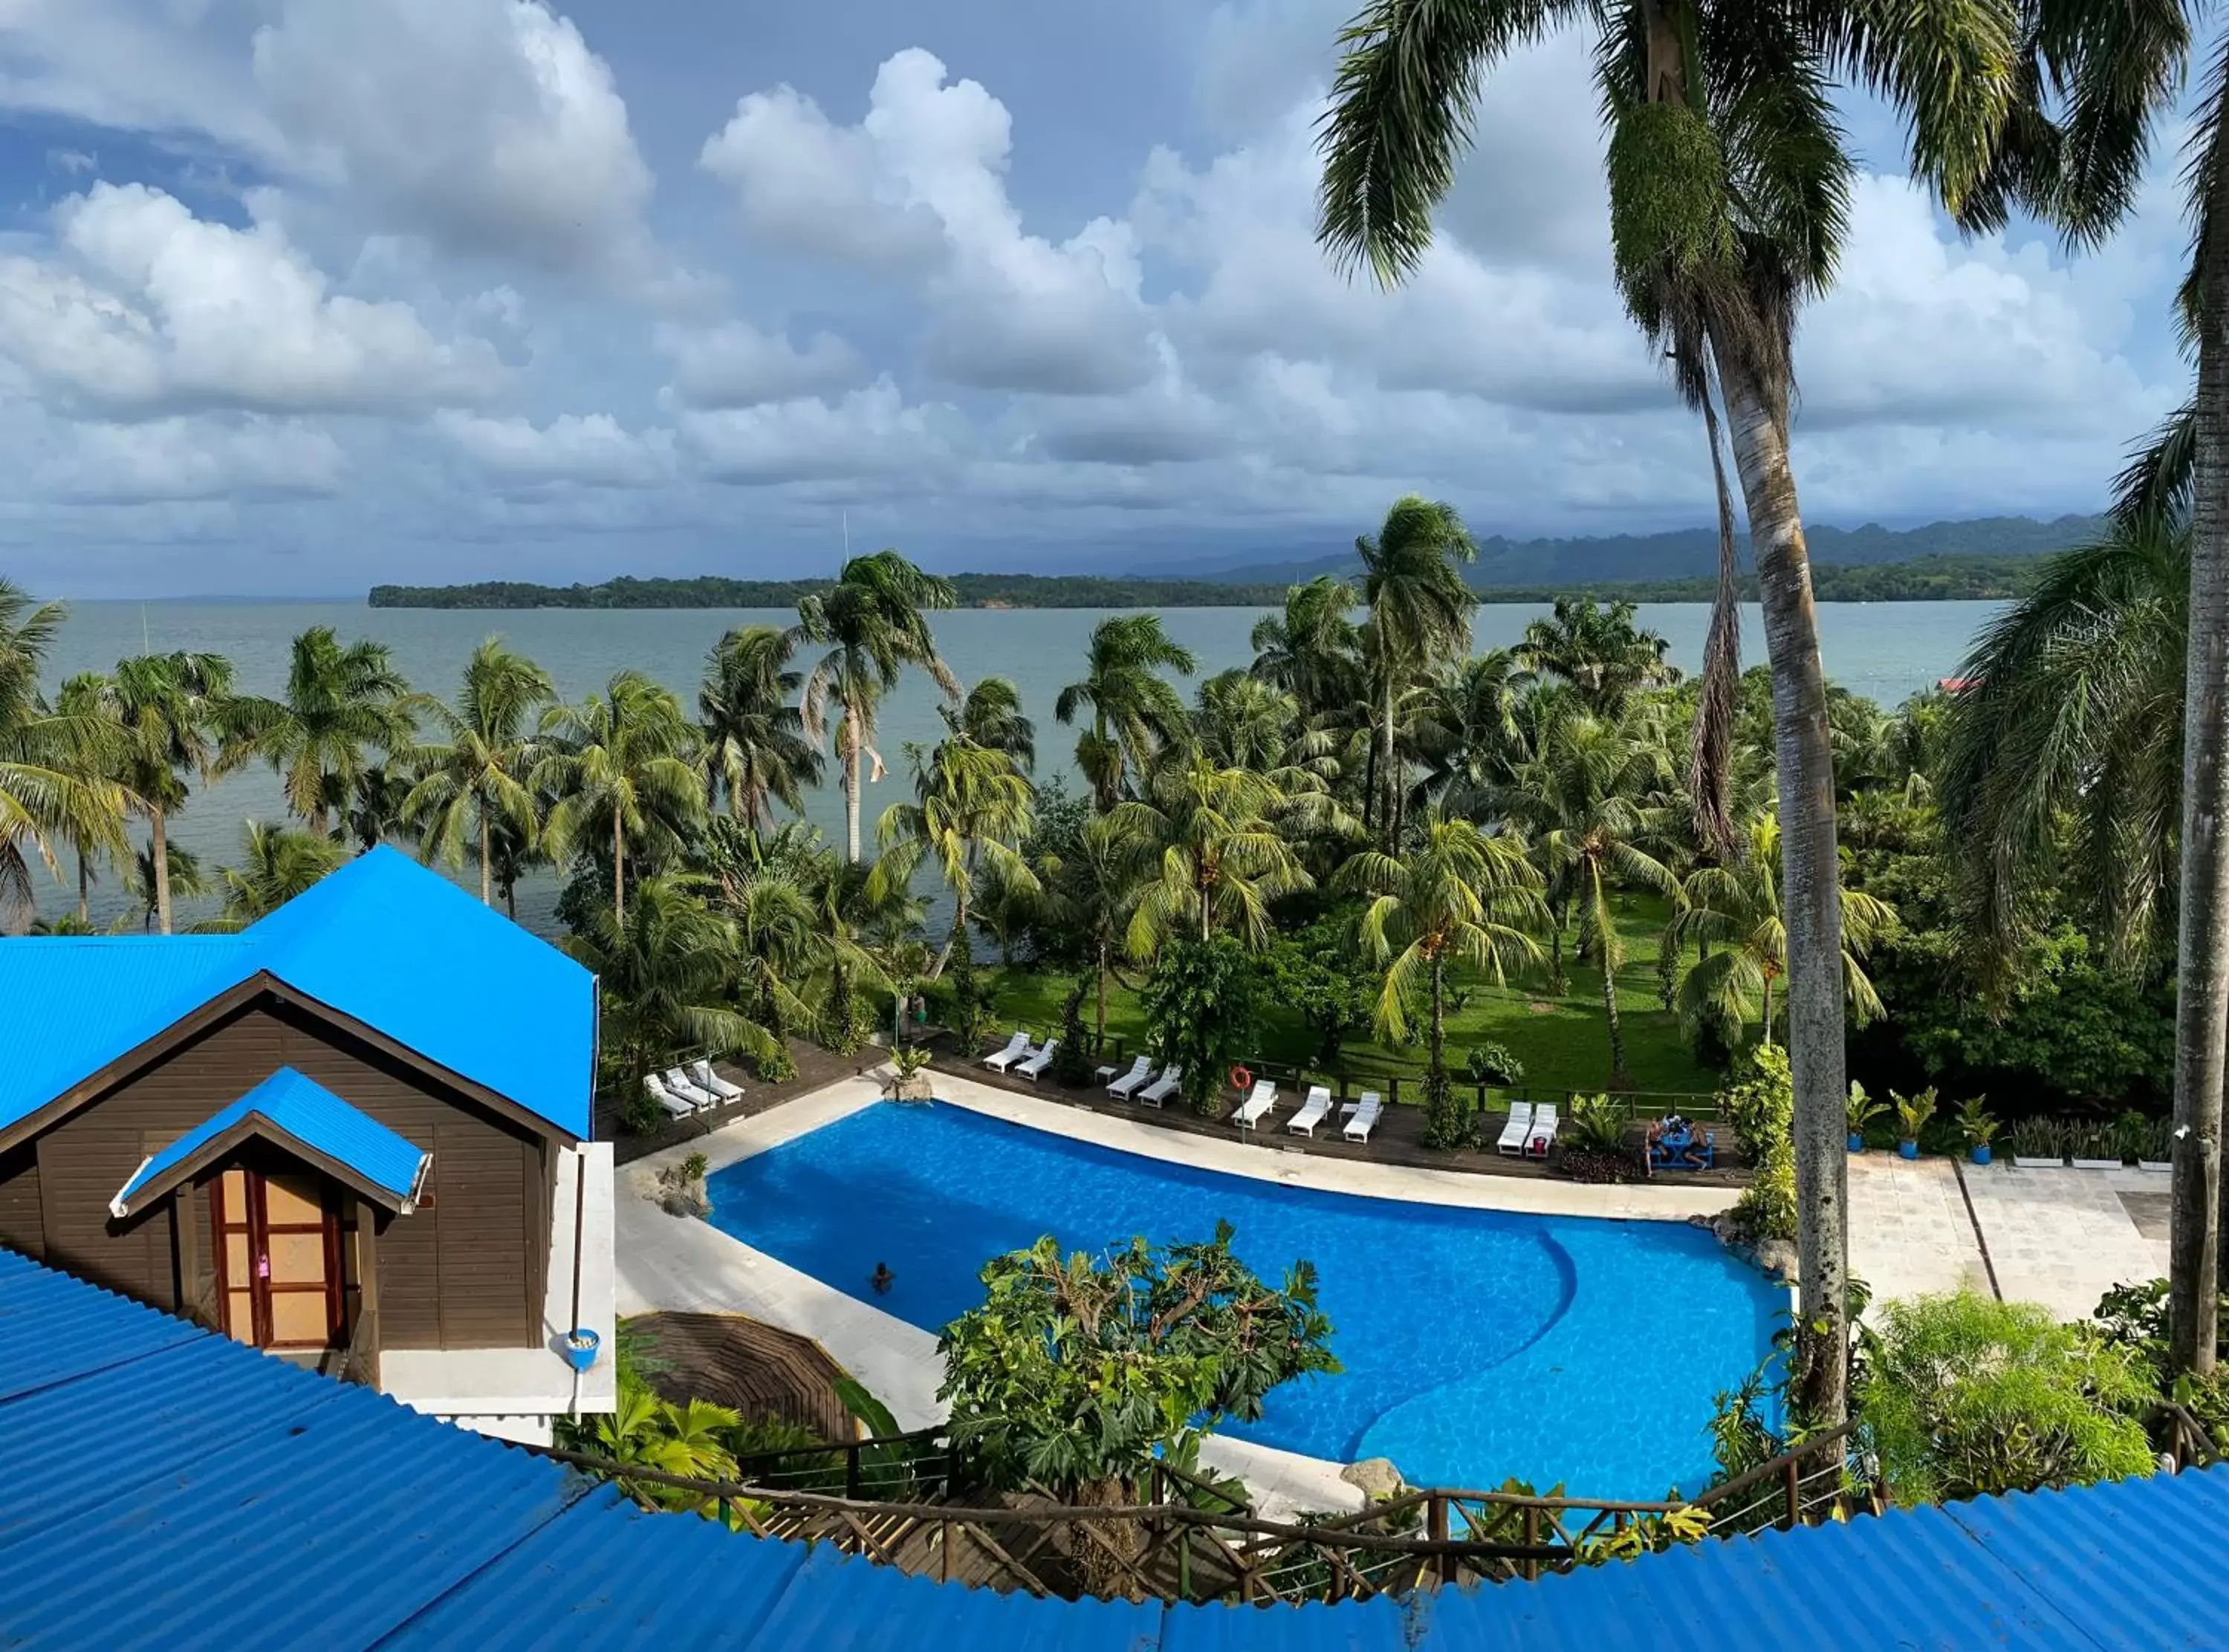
<point>680,1264</point>
<point>2059,1236</point>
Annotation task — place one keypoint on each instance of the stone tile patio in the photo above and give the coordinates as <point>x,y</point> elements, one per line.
<point>2063,1238</point>
<point>1908,1230</point>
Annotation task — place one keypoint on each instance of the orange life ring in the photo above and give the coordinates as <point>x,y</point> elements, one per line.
<point>1241,1079</point>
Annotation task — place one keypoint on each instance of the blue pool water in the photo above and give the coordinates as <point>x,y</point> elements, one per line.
<point>1476,1345</point>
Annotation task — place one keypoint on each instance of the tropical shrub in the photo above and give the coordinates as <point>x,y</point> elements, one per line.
<point>1966,1397</point>
<point>1761,1109</point>
<point>1203,1007</point>
<point>1493,1064</point>
<point>1323,973</point>
<point>2039,1138</point>
<point>1863,1110</point>
<point>1077,1371</point>
<point>1072,1061</point>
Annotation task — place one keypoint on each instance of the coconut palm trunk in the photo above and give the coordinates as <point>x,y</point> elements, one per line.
<point>160,849</point>
<point>84,886</point>
<point>1811,898</point>
<point>1438,1057</point>
<point>2202,989</point>
<point>1619,1078</point>
<point>848,759</point>
<point>1389,827</point>
<point>487,862</point>
<point>618,866</point>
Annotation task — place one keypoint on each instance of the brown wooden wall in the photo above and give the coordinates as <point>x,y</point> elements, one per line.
<point>465,1270</point>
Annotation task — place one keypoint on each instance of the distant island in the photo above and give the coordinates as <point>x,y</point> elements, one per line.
<point>1928,578</point>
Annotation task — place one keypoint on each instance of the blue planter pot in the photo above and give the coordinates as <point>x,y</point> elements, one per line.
<point>1907,1149</point>
<point>580,1349</point>
<point>1981,1153</point>
<point>1857,1142</point>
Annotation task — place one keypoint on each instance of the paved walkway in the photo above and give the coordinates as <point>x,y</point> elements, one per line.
<point>2064,1237</point>
<point>1910,1233</point>
<point>2059,1236</point>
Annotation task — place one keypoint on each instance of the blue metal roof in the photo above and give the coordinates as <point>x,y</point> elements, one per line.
<point>383,940</point>
<point>295,1110</point>
<point>232,1500</point>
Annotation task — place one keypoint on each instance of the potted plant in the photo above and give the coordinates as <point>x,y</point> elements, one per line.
<point>1976,1129</point>
<point>2038,1144</point>
<point>1863,1110</point>
<point>1912,1113</point>
<point>2157,1151</point>
<point>908,1063</point>
<point>2095,1145</point>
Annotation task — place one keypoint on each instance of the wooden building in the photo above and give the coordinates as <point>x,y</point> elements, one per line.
<point>352,1134</point>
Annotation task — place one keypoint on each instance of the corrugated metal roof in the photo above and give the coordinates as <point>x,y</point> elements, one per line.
<point>293,1108</point>
<point>167,1487</point>
<point>383,940</point>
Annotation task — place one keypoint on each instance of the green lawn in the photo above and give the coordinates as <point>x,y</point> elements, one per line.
<point>1563,1041</point>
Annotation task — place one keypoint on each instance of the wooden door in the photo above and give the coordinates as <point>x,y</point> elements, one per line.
<point>278,1242</point>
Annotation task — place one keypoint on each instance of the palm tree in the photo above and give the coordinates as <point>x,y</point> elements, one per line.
<point>1731,912</point>
<point>668,965</point>
<point>181,875</point>
<point>280,862</point>
<point>871,617</point>
<point>991,717</point>
<point>1598,651</point>
<point>1419,616</point>
<point>1219,857</point>
<point>1135,712</point>
<point>1312,649</point>
<point>618,767</point>
<point>173,709</point>
<point>778,943</point>
<point>1587,801</point>
<point>48,787</point>
<point>755,747</point>
<point>479,774</point>
<point>2074,715</point>
<point>341,703</point>
<point>1729,182</point>
<point>1466,730</point>
<point>1459,896</point>
<point>94,759</point>
<point>1096,887</point>
<point>972,808</point>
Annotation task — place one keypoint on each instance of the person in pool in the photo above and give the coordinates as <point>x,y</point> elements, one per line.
<point>883,1279</point>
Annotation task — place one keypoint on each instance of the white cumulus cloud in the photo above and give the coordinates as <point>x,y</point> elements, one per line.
<point>592,450</point>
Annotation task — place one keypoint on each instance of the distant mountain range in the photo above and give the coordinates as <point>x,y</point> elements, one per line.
<point>1682,554</point>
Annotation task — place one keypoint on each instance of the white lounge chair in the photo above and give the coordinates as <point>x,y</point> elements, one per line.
<point>1037,1060</point>
<point>725,1089</point>
<point>688,1089</point>
<point>1364,1119</point>
<point>1517,1129</point>
<point>1017,1048</point>
<point>679,1106</point>
<point>1141,1070</point>
<point>1163,1087</point>
<point>1543,1131</point>
<point>1312,1113</point>
<point>1256,1106</point>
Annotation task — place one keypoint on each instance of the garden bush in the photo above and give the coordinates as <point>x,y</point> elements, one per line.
<point>1966,1397</point>
<point>1762,1109</point>
<point>1493,1064</point>
<point>1203,1007</point>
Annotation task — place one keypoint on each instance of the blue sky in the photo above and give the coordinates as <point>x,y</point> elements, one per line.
<point>299,295</point>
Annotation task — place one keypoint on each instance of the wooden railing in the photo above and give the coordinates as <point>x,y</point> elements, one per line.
<point>1168,1548</point>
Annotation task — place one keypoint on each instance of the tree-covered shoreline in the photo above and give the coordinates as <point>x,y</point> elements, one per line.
<point>1931,578</point>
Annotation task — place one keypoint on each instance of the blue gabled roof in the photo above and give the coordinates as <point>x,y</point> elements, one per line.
<point>298,1110</point>
<point>383,940</point>
<point>237,1500</point>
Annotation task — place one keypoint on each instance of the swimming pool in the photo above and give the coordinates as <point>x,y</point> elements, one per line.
<point>1478,1345</point>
